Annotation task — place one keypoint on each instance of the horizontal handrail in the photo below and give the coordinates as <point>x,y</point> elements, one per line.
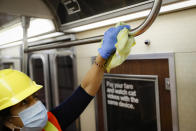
<point>64,44</point>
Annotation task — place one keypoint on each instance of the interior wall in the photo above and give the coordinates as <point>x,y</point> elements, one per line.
<point>173,32</point>
<point>186,85</point>
<point>10,52</point>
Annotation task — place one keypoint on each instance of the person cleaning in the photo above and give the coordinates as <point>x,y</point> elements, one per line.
<point>21,110</point>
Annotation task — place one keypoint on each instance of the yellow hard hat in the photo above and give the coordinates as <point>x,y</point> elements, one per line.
<point>15,86</point>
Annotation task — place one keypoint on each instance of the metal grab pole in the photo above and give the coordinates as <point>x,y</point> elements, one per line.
<point>25,25</point>
<point>149,20</point>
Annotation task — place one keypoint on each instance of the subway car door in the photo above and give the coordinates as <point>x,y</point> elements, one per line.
<point>39,72</point>
<point>144,65</point>
<point>63,75</point>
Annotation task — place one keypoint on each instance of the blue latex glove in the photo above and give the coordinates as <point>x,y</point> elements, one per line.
<point>109,41</point>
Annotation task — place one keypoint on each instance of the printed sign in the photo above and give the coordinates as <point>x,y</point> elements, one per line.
<point>130,103</point>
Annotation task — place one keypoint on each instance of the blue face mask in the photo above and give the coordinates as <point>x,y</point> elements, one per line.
<point>34,116</point>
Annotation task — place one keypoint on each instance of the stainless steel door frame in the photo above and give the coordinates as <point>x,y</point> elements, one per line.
<point>44,59</point>
<point>54,75</point>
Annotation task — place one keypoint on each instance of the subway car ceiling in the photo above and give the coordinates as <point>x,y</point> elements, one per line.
<point>69,14</point>
<point>59,17</point>
<point>52,14</point>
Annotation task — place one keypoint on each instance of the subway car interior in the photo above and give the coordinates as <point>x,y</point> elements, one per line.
<point>56,42</point>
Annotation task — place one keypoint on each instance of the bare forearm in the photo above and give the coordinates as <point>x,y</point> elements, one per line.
<point>92,80</point>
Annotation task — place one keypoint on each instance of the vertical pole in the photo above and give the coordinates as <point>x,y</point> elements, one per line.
<point>25,25</point>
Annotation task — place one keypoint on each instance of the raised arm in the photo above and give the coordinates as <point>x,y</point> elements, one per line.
<point>92,80</point>
<point>73,106</point>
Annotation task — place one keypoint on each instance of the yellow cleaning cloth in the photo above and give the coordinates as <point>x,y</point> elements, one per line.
<point>123,47</point>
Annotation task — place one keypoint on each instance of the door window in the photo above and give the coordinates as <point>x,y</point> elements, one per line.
<point>38,77</point>
<point>65,77</point>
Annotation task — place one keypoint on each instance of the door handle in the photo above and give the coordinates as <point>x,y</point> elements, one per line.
<point>167,84</point>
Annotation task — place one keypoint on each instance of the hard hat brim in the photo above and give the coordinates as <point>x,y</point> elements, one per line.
<point>21,96</point>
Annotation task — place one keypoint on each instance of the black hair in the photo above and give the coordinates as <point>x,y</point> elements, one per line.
<point>4,114</point>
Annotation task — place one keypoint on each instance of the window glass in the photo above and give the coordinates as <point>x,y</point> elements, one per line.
<point>38,75</point>
<point>65,76</point>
